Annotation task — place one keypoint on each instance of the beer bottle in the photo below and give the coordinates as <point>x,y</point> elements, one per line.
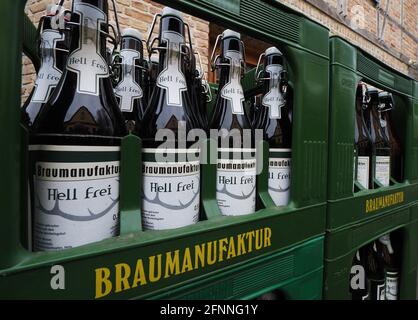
<point>375,273</point>
<point>391,267</point>
<point>75,146</point>
<point>359,286</point>
<point>53,48</point>
<point>129,90</point>
<point>363,145</point>
<point>274,121</point>
<point>236,166</point>
<point>387,104</point>
<point>381,148</point>
<point>171,170</point>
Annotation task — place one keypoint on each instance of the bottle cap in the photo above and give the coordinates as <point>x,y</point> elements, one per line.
<point>131,32</point>
<point>167,11</point>
<point>230,33</point>
<point>273,50</point>
<point>385,240</point>
<point>372,89</point>
<point>52,9</point>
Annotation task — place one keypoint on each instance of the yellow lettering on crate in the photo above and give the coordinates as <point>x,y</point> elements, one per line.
<point>173,263</point>
<point>102,279</point>
<point>382,202</point>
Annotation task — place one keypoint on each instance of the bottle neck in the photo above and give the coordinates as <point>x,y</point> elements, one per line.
<point>273,98</point>
<point>230,87</point>
<point>87,57</point>
<point>171,79</point>
<point>132,54</point>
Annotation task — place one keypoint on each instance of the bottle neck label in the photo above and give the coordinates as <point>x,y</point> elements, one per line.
<point>171,79</point>
<point>232,90</point>
<point>87,61</point>
<point>49,74</point>
<point>273,99</point>
<point>128,89</point>
<point>76,195</point>
<point>279,175</point>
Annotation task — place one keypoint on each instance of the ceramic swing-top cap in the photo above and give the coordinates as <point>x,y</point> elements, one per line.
<point>273,50</point>
<point>167,11</point>
<point>155,59</point>
<point>51,9</point>
<point>230,33</point>
<point>131,32</point>
<point>372,89</point>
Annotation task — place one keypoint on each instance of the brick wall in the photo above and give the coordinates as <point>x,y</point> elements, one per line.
<point>397,48</point>
<point>133,13</point>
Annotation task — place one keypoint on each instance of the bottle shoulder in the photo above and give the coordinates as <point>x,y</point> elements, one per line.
<point>72,112</point>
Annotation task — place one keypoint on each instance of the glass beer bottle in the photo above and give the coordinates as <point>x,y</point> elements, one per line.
<point>375,272</point>
<point>53,48</point>
<point>75,146</point>
<point>381,148</point>
<point>171,170</point>
<point>362,141</point>
<point>391,267</point>
<point>273,119</point>
<point>236,166</point>
<point>387,104</point>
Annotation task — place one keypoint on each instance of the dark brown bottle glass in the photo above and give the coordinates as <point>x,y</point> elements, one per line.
<point>381,148</point>
<point>363,147</point>
<point>152,74</point>
<point>129,90</point>
<point>387,104</point>
<point>75,145</point>
<point>53,48</point>
<point>391,266</point>
<point>375,272</point>
<point>171,171</point>
<point>236,168</point>
<point>273,119</point>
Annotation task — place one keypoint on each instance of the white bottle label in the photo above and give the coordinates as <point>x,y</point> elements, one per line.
<point>233,91</point>
<point>274,99</point>
<point>363,166</point>
<point>87,61</point>
<point>236,181</point>
<point>279,176</point>
<point>382,170</point>
<point>75,195</point>
<point>172,79</point>
<point>49,74</point>
<point>391,285</point>
<point>128,90</point>
<point>171,189</point>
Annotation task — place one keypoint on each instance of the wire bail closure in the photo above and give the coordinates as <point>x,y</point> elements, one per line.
<point>150,44</point>
<point>283,83</point>
<point>214,60</point>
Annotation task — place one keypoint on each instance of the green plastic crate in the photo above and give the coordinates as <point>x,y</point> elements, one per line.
<point>348,66</point>
<point>341,246</point>
<point>25,274</point>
